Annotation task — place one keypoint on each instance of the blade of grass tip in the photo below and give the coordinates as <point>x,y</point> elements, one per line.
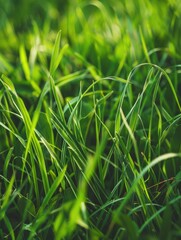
<point>26,68</point>
<point>144,46</point>
<point>24,62</point>
<point>8,83</point>
<point>57,54</point>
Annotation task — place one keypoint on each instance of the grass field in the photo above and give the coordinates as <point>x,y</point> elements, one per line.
<point>90,120</point>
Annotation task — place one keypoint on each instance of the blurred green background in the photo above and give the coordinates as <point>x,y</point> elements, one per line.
<point>91,26</point>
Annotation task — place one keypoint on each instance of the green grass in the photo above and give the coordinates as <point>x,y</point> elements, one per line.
<point>90,120</point>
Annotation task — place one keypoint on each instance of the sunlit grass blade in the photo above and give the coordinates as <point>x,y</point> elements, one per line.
<point>57,54</point>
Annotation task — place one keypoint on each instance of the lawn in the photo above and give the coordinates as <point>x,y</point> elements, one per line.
<point>90,120</point>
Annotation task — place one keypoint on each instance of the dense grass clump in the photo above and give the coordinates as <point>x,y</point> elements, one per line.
<point>90,119</point>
